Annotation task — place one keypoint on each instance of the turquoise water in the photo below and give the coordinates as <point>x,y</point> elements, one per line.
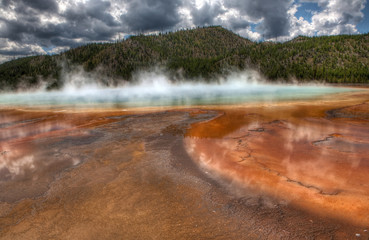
<point>169,95</point>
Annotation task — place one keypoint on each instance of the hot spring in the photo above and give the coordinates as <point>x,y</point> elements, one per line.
<point>161,92</point>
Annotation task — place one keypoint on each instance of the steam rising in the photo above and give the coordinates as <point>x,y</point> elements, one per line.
<point>157,89</point>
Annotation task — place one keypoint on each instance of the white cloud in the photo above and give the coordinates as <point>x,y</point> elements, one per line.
<point>338,16</point>
<point>12,46</point>
<point>298,26</point>
<point>5,58</point>
<point>248,33</point>
<point>57,50</point>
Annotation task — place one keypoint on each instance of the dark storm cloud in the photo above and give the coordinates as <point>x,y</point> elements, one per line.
<point>42,5</point>
<point>5,3</point>
<point>24,6</point>
<point>273,12</point>
<point>151,15</point>
<point>237,23</point>
<point>90,21</point>
<point>206,14</point>
<point>92,10</point>
<point>22,52</point>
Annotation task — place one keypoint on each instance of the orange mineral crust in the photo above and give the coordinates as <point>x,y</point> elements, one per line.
<point>314,156</point>
<point>287,170</point>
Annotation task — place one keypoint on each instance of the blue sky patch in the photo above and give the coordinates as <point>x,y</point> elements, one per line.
<point>306,10</point>
<point>48,49</point>
<point>363,26</point>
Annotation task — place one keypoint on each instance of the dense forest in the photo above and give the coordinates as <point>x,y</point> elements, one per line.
<point>201,53</point>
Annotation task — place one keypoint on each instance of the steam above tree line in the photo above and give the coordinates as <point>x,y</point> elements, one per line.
<point>201,54</point>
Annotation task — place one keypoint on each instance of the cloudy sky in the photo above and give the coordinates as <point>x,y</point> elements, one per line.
<point>29,27</point>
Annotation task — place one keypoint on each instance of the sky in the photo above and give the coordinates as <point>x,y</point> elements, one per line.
<point>30,27</point>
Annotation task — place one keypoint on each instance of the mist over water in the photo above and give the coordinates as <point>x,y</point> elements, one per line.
<point>156,89</point>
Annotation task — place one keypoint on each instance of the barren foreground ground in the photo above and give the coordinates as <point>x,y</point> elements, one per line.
<point>287,170</point>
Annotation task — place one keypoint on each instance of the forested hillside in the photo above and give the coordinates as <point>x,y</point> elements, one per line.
<point>201,53</point>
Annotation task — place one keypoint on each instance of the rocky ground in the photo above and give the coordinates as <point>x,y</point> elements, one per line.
<point>128,175</point>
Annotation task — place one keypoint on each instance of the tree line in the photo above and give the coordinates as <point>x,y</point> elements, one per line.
<point>201,53</point>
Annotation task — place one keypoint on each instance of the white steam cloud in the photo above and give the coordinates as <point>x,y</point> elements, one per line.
<point>155,88</point>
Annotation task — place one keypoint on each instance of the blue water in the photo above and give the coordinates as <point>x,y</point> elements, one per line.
<point>168,95</point>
